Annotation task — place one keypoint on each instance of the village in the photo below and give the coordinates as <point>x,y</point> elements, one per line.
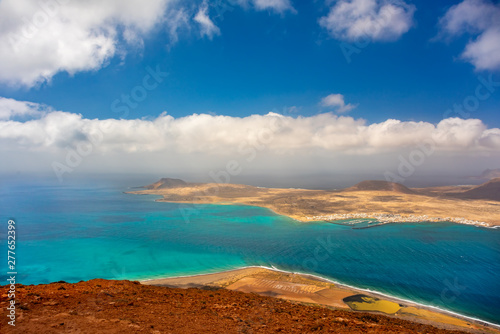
<point>395,218</point>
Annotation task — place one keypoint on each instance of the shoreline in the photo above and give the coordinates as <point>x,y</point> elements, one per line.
<point>382,200</point>
<point>397,218</point>
<point>398,300</point>
<point>300,217</point>
<point>388,218</point>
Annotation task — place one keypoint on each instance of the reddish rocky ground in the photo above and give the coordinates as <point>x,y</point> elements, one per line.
<point>102,306</point>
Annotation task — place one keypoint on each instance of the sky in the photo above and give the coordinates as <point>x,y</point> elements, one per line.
<point>225,88</point>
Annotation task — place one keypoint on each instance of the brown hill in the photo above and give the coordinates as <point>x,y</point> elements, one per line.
<point>488,174</point>
<point>377,185</point>
<point>104,306</point>
<point>167,183</point>
<point>489,191</point>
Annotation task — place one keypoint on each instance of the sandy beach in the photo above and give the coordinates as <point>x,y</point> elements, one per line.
<point>386,202</point>
<point>314,290</point>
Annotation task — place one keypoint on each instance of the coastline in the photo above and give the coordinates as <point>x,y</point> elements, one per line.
<point>398,218</point>
<point>122,306</point>
<point>382,218</point>
<point>395,204</point>
<point>317,206</point>
<point>210,279</point>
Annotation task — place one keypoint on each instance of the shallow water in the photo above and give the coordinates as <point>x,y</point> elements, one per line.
<point>75,233</point>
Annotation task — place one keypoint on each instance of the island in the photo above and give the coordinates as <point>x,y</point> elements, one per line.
<point>260,299</point>
<point>383,201</point>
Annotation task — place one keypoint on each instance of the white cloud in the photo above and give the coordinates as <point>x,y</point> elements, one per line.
<point>200,142</point>
<point>38,39</point>
<point>337,101</point>
<point>375,20</point>
<point>211,134</point>
<point>208,28</point>
<point>279,6</point>
<point>10,108</point>
<point>481,19</point>
<point>175,21</point>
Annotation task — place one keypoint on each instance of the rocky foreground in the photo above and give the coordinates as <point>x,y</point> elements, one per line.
<point>103,306</point>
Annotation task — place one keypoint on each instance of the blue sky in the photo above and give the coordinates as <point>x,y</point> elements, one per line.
<point>240,58</point>
<point>264,61</point>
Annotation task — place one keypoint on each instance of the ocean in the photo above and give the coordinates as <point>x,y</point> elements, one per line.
<point>86,231</point>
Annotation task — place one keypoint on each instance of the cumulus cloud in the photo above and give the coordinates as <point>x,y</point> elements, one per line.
<point>38,39</point>
<point>10,108</point>
<point>337,101</point>
<point>211,134</point>
<point>481,19</point>
<point>61,142</point>
<point>375,20</point>
<point>208,28</point>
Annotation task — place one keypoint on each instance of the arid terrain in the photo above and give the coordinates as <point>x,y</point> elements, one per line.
<point>259,300</point>
<point>104,306</point>
<point>313,290</point>
<point>385,201</point>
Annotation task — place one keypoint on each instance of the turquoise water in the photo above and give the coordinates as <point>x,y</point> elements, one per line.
<point>79,233</point>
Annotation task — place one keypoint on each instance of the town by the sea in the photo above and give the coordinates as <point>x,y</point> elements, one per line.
<point>95,230</point>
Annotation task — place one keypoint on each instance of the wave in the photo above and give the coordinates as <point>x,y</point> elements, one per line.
<point>386,295</point>
<point>399,299</point>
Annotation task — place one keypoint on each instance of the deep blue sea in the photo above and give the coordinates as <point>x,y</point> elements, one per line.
<point>75,233</point>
